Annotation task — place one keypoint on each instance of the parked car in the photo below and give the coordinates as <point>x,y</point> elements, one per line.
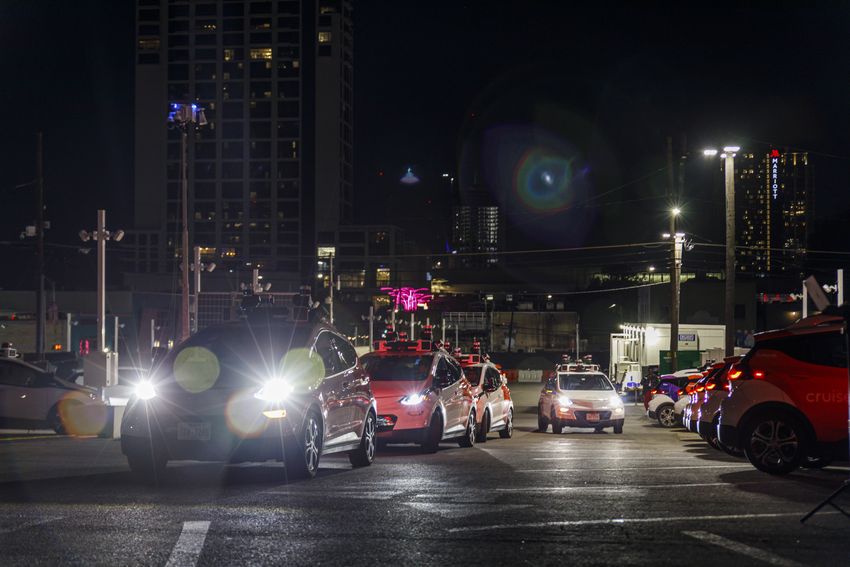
<point>661,409</point>
<point>423,396</point>
<point>33,397</point>
<point>494,408</point>
<point>689,404</point>
<point>579,398</point>
<point>788,402</point>
<point>670,384</point>
<point>253,390</point>
<point>705,411</point>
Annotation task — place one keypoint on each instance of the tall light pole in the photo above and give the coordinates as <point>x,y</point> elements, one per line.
<point>185,116</point>
<point>729,301</point>
<point>197,268</point>
<point>101,235</point>
<point>678,240</point>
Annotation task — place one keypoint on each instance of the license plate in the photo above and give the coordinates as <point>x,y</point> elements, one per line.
<point>592,416</point>
<point>194,431</point>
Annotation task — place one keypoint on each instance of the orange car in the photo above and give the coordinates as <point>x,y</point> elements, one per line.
<point>422,394</point>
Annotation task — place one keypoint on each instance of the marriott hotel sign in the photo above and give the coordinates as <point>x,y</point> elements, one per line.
<point>774,172</point>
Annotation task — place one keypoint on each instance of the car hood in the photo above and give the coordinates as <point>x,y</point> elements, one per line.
<point>590,395</point>
<point>72,386</point>
<point>396,388</point>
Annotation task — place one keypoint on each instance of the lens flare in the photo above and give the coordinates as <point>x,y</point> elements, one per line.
<point>196,369</point>
<point>301,369</point>
<point>80,416</point>
<point>244,414</point>
<point>544,180</point>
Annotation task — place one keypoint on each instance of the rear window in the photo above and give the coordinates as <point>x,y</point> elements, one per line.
<point>386,368</point>
<point>823,349</point>
<point>473,374</point>
<point>584,382</point>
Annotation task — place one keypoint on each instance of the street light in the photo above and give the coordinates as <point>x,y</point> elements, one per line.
<point>678,240</point>
<point>101,235</point>
<point>185,116</point>
<point>729,301</point>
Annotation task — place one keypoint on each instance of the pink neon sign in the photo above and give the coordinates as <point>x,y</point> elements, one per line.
<point>408,298</point>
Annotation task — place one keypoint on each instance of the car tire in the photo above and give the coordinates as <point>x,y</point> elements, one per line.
<point>618,427</point>
<point>557,426</point>
<point>303,452</point>
<point>147,465</point>
<point>481,434</point>
<point>508,431</point>
<point>468,439</point>
<point>434,434</point>
<point>774,442</point>
<point>54,421</point>
<point>365,453</point>
<point>542,422</point>
<point>666,416</point>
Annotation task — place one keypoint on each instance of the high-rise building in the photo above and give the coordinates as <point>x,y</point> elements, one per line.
<point>478,227</point>
<point>774,200</point>
<point>274,163</point>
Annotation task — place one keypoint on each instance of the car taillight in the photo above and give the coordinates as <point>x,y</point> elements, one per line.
<point>711,386</point>
<point>735,374</point>
<point>758,374</point>
<point>700,388</point>
<point>653,392</point>
<point>680,392</point>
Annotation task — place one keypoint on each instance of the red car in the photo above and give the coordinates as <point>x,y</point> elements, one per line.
<point>422,394</point>
<point>788,401</point>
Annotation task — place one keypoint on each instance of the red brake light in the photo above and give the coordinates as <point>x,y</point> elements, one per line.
<point>758,374</point>
<point>711,386</point>
<point>681,391</point>
<point>653,392</point>
<point>700,388</point>
<point>735,374</point>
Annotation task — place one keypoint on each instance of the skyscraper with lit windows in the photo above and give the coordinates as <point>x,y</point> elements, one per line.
<point>774,202</point>
<point>273,166</point>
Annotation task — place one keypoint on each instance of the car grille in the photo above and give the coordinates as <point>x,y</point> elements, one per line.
<point>603,415</point>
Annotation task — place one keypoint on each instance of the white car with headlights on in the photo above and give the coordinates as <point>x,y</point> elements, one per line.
<point>579,398</point>
<point>253,390</point>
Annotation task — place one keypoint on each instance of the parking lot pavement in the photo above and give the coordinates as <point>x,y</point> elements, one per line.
<point>649,496</point>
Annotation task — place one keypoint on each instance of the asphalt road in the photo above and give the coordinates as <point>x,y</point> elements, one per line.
<point>649,496</point>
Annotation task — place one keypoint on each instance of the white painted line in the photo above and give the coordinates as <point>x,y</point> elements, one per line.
<point>617,458</point>
<point>27,525</point>
<point>626,521</point>
<point>355,494</point>
<point>742,549</point>
<point>617,488</point>
<point>188,548</point>
<point>736,466</point>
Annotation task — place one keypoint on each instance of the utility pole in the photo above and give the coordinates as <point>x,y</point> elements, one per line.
<point>674,266</point>
<point>101,280</point>
<point>371,326</point>
<point>840,283</point>
<point>197,267</point>
<point>331,286</point>
<point>729,311</point>
<point>39,232</point>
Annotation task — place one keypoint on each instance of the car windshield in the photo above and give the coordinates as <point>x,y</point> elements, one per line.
<point>235,355</point>
<point>584,382</point>
<point>386,368</point>
<point>473,374</point>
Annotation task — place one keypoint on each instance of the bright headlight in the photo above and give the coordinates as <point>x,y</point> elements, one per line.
<point>275,390</point>
<point>616,402</point>
<point>564,401</point>
<point>412,400</point>
<point>145,390</point>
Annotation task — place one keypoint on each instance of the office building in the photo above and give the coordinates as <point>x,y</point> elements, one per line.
<point>273,166</point>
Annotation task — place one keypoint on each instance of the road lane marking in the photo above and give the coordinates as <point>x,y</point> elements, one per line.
<point>617,458</point>
<point>736,466</point>
<point>355,494</point>
<point>742,549</point>
<point>188,548</point>
<point>626,521</point>
<point>27,525</point>
<point>668,486</point>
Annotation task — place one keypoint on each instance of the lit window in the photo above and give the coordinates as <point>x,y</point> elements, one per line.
<point>324,37</point>
<point>382,277</point>
<point>261,53</point>
<point>228,55</point>
<point>149,44</point>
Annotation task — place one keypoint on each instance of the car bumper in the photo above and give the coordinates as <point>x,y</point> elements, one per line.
<point>578,418</point>
<point>403,435</point>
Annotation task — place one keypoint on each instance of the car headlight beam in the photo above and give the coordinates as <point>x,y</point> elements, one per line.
<point>145,390</point>
<point>412,399</point>
<point>274,390</point>
<point>565,401</point>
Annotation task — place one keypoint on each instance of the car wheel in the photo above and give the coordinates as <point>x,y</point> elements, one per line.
<point>365,453</point>
<point>774,443</point>
<point>481,436</point>
<point>54,421</point>
<point>434,434</point>
<point>542,422</point>
<point>618,427</point>
<point>508,431</point>
<point>712,441</point>
<point>557,426</point>
<point>666,416</point>
<point>468,439</point>
<point>147,465</point>
<point>303,452</point>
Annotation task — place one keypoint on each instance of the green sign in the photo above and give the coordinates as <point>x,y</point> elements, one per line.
<point>686,359</point>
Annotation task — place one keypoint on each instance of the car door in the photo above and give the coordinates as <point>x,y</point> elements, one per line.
<point>450,393</point>
<point>495,396</point>
<point>20,399</point>
<point>331,388</point>
<point>355,394</point>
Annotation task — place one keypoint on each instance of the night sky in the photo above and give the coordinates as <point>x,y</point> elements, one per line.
<point>606,83</point>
